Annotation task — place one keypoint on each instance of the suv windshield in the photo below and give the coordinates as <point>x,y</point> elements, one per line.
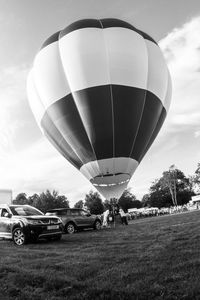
<point>25,211</point>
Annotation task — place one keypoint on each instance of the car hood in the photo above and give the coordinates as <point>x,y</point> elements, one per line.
<point>40,217</point>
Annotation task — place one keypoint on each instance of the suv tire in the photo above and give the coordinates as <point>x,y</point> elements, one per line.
<point>19,237</point>
<point>70,228</point>
<point>97,225</point>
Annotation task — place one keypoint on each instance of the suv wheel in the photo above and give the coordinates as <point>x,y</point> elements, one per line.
<point>19,237</point>
<point>97,225</point>
<point>70,228</point>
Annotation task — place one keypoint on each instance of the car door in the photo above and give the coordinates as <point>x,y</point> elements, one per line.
<point>5,224</point>
<point>79,217</point>
<point>76,216</point>
<point>87,219</point>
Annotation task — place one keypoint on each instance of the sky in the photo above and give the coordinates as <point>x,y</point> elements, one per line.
<point>28,162</point>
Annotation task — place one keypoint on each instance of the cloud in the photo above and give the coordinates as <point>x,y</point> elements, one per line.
<point>12,105</point>
<point>40,167</point>
<point>181,49</point>
<point>197,134</point>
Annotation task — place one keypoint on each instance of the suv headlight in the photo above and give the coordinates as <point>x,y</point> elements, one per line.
<point>34,222</point>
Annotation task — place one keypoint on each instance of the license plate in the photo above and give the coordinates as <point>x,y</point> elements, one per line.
<point>52,227</point>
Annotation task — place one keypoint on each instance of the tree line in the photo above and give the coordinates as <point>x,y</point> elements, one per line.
<point>92,202</point>
<point>171,189</point>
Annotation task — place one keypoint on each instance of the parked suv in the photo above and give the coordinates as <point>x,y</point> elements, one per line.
<point>23,223</point>
<point>75,219</point>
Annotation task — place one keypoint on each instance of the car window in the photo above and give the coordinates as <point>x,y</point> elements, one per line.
<point>51,213</point>
<point>84,213</point>
<point>25,211</point>
<point>63,213</point>
<point>75,213</point>
<point>3,212</point>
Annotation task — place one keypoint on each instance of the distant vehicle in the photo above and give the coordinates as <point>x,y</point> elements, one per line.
<point>24,223</point>
<point>75,219</point>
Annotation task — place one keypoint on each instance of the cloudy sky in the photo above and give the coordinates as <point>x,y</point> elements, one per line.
<point>28,162</point>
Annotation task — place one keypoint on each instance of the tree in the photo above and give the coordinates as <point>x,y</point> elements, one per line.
<point>44,201</point>
<point>112,203</point>
<point>183,197</point>
<point>169,180</point>
<point>106,204</point>
<point>33,200</point>
<point>48,200</point>
<point>177,183</point>
<point>79,204</point>
<point>145,200</point>
<point>136,204</point>
<point>21,199</point>
<point>159,196</point>
<point>173,188</point>
<point>93,202</point>
<point>195,179</point>
<point>128,200</point>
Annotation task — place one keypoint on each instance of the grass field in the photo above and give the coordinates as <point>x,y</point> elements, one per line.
<point>155,258</point>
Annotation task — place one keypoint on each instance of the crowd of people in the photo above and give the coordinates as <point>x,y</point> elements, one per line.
<point>154,211</point>
<point>115,214</point>
<point>112,215</point>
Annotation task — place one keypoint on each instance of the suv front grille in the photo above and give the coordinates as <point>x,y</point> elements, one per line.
<point>50,221</point>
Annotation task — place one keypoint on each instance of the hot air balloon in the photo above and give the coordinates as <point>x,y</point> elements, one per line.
<point>100,91</point>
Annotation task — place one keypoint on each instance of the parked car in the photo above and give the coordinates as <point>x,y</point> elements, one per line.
<point>75,219</point>
<point>24,223</point>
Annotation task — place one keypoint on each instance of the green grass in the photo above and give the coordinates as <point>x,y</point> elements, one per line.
<point>155,258</point>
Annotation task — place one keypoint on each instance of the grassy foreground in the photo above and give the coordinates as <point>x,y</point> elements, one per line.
<point>156,258</point>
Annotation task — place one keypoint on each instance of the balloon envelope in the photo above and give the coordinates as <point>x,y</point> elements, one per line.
<point>100,91</point>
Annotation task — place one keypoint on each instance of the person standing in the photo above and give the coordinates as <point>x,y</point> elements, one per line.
<point>123,217</point>
<point>105,218</point>
<point>110,216</point>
